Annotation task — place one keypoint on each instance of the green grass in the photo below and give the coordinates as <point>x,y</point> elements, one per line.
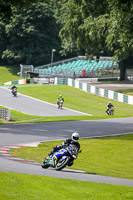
<point>18,117</point>
<point>1,122</point>
<point>18,186</point>
<point>74,99</point>
<point>126,91</point>
<point>109,156</point>
<point>30,187</point>
<point>99,161</point>
<point>9,73</point>
<point>78,100</point>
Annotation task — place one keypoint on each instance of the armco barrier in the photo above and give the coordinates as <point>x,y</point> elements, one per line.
<point>96,91</point>
<point>4,114</point>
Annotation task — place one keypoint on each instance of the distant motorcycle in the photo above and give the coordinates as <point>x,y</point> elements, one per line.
<point>61,158</point>
<point>60,104</point>
<point>14,92</point>
<point>110,111</point>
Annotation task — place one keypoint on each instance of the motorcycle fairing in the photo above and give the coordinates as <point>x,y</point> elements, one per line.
<point>50,161</point>
<point>57,155</point>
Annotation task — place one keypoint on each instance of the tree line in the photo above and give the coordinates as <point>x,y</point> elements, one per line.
<point>30,30</point>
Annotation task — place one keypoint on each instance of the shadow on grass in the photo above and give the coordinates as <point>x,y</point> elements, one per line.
<point>13,69</point>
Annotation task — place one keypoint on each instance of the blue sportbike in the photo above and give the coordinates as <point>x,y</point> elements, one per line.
<point>61,158</point>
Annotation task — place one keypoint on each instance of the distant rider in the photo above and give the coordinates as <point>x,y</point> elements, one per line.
<point>13,88</point>
<point>73,140</point>
<point>110,105</point>
<point>60,98</point>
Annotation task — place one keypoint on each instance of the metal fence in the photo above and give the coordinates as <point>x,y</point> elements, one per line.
<point>61,62</point>
<point>4,114</point>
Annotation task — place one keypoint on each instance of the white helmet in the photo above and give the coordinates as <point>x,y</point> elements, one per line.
<point>75,137</point>
<point>60,95</point>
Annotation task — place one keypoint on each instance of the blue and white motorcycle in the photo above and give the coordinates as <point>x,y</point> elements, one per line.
<point>61,158</point>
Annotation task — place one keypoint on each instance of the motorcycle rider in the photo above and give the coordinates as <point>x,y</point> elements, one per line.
<point>73,140</point>
<point>55,156</point>
<point>60,98</point>
<point>110,105</point>
<point>13,88</point>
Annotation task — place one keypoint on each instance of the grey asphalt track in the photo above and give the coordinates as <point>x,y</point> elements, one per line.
<point>31,169</point>
<point>14,134</point>
<point>33,106</point>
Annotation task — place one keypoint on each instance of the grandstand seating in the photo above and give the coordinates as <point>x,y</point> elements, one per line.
<point>69,68</point>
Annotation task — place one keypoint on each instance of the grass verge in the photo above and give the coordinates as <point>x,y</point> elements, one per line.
<point>77,100</point>
<point>9,73</point>
<point>20,118</point>
<point>74,99</point>
<point>126,91</point>
<point>109,156</point>
<point>20,186</point>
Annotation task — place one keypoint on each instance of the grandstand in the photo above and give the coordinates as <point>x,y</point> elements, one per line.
<point>79,66</point>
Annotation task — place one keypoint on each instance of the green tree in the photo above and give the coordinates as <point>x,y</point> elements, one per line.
<point>96,27</point>
<point>5,6</point>
<point>120,32</point>
<point>31,33</point>
<point>74,33</point>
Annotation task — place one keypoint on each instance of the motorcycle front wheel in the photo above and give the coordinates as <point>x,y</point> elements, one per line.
<point>60,165</point>
<point>44,164</point>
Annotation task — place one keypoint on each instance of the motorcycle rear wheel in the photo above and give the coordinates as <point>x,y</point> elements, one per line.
<point>61,165</point>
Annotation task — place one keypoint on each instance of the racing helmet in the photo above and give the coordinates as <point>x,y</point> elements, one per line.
<point>60,95</point>
<point>75,137</point>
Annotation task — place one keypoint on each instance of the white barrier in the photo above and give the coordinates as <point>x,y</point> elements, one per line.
<point>98,91</point>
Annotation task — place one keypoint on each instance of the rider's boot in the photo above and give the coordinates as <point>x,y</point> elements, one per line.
<point>70,164</point>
